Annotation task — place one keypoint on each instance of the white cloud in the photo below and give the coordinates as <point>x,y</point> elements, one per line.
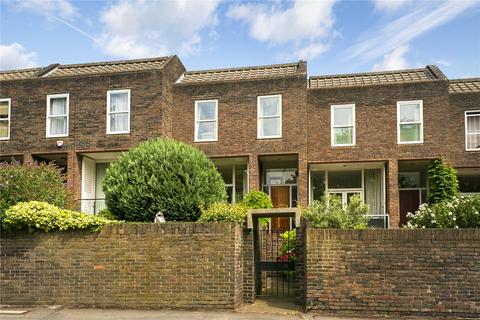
<point>390,5</point>
<point>394,60</point>
<point>306,26</point>
<point>15,56</point>
<point>155,28</point>
<point>59,8</point>
<point>424,17</point>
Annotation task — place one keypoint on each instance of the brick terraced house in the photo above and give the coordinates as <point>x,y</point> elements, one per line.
<point>266,128</point>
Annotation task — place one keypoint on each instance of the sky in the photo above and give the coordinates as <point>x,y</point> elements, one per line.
<point>334,37</point>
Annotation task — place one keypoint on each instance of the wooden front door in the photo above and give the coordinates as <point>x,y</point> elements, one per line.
<point>409,202</point>
<point>280,199</point>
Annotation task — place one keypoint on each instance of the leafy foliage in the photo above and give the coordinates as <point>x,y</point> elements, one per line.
<point>41,216</point>
<point>105,213</point>
<point>329,213</point>
<point>443,182</point>
<point>222,211</point>
<point>257,200</point>
<point>461,212</point>
<point>162,175</point>
<point>31,182</point>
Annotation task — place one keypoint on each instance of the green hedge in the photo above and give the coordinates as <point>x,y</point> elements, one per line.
<point>41,216</point>
<point>222,211</point>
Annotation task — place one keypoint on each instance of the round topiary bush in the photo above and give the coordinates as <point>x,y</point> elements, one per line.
<point>162,175</point>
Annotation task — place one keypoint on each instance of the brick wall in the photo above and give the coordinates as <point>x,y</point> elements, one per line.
<point>178,266</point>
<point>424,272</point>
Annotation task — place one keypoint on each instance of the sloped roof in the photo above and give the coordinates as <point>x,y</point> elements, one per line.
<point>372,78</point>
<point>464,85</point>
<point>245,73</point>
<point>68,70</point>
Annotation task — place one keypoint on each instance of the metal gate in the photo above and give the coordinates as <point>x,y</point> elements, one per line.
<point>274,261</point>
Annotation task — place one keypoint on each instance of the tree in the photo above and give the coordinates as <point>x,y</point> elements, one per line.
<point>443,182</point>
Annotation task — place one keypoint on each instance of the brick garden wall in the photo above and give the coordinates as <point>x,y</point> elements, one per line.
<point>178,266</point>
<point>431,272</point>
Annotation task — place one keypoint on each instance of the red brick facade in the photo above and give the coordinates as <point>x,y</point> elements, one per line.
<point>164,105</point>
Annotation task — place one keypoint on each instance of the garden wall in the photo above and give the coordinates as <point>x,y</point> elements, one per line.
<point>429,272</point>
<point>173,265</point>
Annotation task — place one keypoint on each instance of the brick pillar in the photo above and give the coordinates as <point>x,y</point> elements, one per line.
<point>27,157</point>
<point>253,173</point>
<point>74,178</point>
<point>302,181</point>
<point>393,205</point>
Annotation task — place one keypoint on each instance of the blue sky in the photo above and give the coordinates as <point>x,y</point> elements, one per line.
<point>333,36</point>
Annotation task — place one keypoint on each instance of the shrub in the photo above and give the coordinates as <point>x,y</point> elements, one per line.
<point>329,213</point>
<point>31,182</point>
<point>41,216</point>
<point>222,211</point>
<point>461,212</point>
<point>443,182</point>
<point>105,213</point>
<point>257,200</point>
<point>162,175</point>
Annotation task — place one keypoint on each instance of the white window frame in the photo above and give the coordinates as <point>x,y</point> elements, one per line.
<point>8,118</point>
<point>259,118</point>
<point>110,92</point>
<point>332,125</point>
<point>197,121</point>
<point>466,129</point>
<point>49,116</point>
<point>399,106</point>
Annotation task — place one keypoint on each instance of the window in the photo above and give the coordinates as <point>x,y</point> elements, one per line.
<point>472,130</point>
<point>269,113</point>
<point>5,119</point>
<point>343,125</point>
<point>57,115</point>
<point>118,111</point>
<point>410,121</point>
<point>206,120</point>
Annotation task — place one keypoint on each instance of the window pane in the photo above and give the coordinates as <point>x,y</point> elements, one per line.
<point>269,106</point>
<point>318,184</point>
<point>119,102</point>
<point>58,125</point>
<point>58,106</point>
<point>344,179</point>
<point>227,173</point>
<point>343,116</point>
<point>410,132</point>
<point>473,124</point>
<point>4,110</point>
<point>373,191</point>
<point>410,112</point>
<point>469,183</point>
<point>229,190</point>
<point>274,177</point>
<point>473,141</point>
<point>240,182</point>
<point>206,110</point>
<point>343,135</point>
<point>119,122</point>
<point>293,204</point>
<point>290,176</point>
<point>270,127</point>
<point>3,129</point>
<point>206,131</point>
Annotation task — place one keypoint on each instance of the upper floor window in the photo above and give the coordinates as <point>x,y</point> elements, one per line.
<point>206,120</point>
<point>118,111</point>
<point>5,119</point>
<point>57,115</point>
<point>269,113</point>
<point>472,130</point>
<point>410,121</point>
<point>343,125</point>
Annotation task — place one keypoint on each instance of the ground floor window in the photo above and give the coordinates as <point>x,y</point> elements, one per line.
<point>348,180</point>
<point>469,181</point>
<point>234,172</point>
<point>413,189</point>
<point>281,185</point>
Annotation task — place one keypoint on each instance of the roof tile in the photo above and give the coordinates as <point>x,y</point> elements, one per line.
<point>464,85</point>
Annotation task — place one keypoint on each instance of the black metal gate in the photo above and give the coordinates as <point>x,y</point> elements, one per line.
<point>275,262</point>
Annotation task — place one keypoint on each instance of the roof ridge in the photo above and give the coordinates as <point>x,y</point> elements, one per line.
<point>465,79</point>
<point>366,73</point>
<point>87,64</point>
<point>21,70</point>
<point>270,66</point>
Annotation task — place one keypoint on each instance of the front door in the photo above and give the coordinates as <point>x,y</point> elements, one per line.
<point>409,202</point>
<point>280,199</point>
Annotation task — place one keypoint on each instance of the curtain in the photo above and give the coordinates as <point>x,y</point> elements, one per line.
<point>473,132</point>
<point>373,191</point>
<point>119,116</point>
<point>58,116</point>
